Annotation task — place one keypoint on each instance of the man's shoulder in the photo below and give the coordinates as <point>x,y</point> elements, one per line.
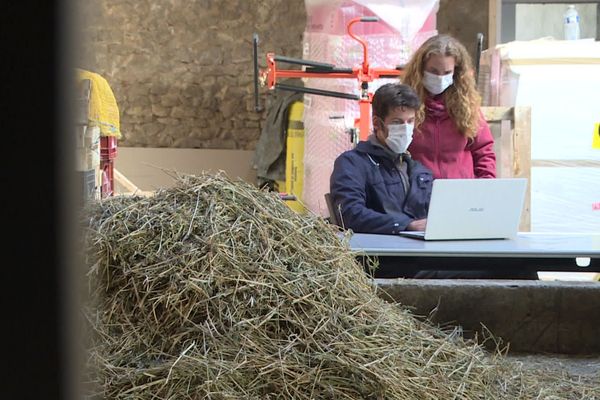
<point>351,154</point>
<point>360,150</point>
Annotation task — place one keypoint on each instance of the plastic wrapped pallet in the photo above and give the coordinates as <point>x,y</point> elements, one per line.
<point>402,29</point>
<point>87,156</point>
<point>560,80</point>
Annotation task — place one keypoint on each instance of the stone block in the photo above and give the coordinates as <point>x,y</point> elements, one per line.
<point>201,123</point>
<point>193,91</point>
<point>182,112</point>
<point>250,106</point>
<point>160,111</point>
<point>159,89</point>
<point>152,129</point>
<point>221,144</point>
<point>188,142</point>
<point>136,110</point>
<point>199,132</point>
<point>164,139</point>
<point>210,56</point>
<point>251,124</point>
<point>530,316</point>
<point>168,121</point>
<point>230,107</point>
<point>139,95</point>
<point>169,100</point>
<point>135,119</point>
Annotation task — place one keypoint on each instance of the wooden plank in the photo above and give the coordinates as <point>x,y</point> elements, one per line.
<point>566,163</point>
<point>598,26</point>
<point>522,159</point>
<point>126,183</point>
<point>83,102</point>
<point>500,120</point>
<point>491,113</point>
<point>547,1</point>
<point>494,22</point>
<point>511,129</point>
<point>506,156</point>
<point>503,147</point>
<point>496,130</point>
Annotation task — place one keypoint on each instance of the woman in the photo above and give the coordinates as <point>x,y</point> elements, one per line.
<point>451,136</point>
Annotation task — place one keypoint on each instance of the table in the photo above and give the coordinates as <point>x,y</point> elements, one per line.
<point>528,251</point>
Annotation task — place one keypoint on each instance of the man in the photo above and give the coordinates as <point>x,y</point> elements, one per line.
<point>377,187</point>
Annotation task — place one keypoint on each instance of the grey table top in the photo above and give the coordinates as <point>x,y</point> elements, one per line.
<point>539,245</point>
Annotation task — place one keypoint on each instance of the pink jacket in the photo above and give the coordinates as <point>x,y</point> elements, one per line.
<point>446,152</point>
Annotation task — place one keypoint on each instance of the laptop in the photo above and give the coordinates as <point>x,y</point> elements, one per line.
<point>473,209</point>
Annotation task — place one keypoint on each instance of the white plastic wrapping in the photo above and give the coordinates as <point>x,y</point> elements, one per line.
<point>560,81</point>
<point>565,199</point>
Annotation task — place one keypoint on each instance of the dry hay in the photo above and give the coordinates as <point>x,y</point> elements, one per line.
<point>214,289</point>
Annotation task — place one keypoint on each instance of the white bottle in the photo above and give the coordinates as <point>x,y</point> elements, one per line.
<point>571,23</point>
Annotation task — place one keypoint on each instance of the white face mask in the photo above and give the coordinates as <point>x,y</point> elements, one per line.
<point>436,84</point>
<point>399,137</point>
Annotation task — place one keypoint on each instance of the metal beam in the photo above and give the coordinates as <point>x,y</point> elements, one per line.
<point>494,22</point>
<point>548,1</point>
<point>508,29</point>
<point>598,21</point>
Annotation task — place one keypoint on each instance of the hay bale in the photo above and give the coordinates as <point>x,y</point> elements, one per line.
<point>214,289</point>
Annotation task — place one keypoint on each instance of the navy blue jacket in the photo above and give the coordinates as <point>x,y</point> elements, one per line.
<point>367,188</point>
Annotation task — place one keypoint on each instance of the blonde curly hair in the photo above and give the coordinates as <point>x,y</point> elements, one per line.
<point>462,99</point>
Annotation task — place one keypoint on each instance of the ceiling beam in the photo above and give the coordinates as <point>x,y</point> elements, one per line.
<point>566,2</point>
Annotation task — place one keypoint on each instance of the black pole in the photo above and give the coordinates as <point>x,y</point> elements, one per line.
<point>299,61</point>
<point>257,106</point>
<point>319,92</point>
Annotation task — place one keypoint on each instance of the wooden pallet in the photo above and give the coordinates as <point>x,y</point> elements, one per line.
<point>511,128</point>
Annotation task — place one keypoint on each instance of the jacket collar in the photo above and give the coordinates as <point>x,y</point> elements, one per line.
<point>373,148</point>
<point>435,106</point>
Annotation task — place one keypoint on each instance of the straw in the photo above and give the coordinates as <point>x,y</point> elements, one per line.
<point>214,289</point>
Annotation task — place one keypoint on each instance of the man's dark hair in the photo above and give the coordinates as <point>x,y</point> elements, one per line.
<point>392,95</point>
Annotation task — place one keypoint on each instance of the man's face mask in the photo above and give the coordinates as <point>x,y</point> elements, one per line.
<point>436,84</point>
<point>399,137</point>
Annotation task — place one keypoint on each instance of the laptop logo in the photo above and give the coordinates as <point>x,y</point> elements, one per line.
<point>476,209</point>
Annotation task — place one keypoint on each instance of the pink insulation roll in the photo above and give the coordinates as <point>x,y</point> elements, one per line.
<point>402,28</point>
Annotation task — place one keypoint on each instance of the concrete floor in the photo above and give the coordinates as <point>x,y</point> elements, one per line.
<point>581,366</point>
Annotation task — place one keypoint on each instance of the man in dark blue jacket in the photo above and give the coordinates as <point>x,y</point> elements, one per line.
<point>377,187</point>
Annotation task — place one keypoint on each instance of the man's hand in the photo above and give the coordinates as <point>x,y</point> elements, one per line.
<point>417,225</point>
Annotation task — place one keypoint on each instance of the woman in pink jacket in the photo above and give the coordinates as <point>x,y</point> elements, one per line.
<point>451,136</point>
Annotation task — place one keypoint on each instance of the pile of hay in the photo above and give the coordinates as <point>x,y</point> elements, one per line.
<point>214,289</point>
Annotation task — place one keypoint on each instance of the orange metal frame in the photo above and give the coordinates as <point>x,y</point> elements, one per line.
<point>363,73</point>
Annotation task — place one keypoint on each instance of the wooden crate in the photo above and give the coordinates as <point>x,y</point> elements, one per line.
<point>511,128</point>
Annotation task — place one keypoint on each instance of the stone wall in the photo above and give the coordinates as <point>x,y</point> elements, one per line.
<point>464,19</point>
<point>181,70</point>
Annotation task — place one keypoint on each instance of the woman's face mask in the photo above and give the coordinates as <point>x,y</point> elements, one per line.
<point>436,84</point>
<point>399,137</point>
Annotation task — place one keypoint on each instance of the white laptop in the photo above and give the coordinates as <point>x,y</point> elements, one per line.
<point>473,209</point>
